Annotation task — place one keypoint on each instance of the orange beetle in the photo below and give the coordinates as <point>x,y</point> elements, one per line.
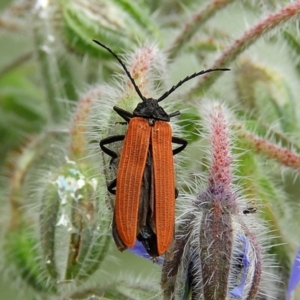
<point>145,184</point>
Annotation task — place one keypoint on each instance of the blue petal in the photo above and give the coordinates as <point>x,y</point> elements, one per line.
<point>238,291</point>
<point>139,250</point>
<point>295,276</point>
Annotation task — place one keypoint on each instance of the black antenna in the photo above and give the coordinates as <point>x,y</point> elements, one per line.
<point>171,90</point>
<point>174,87</point>
<point>124,67</point>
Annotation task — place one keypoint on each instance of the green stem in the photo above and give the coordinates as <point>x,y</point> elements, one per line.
<point>282,155</point>
<point>241,44</point>
<point>41,31</point>
<point>24,58</point>
<point>197,20</point>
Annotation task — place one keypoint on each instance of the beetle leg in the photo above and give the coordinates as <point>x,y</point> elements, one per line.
<point>110,140</point>
<point>126,115</point>
<point>183,144</point>
<point>179,141</point>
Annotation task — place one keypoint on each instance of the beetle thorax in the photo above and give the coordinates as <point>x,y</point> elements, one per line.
<point>150,109</point>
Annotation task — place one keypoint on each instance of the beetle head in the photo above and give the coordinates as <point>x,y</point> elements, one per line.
<point>150,108</point>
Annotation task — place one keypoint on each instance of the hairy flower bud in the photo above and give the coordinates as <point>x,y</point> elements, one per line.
<point>73,228</point>
<point>217,252</point>
<point>113,22</point>
<point>63,236</point>
<point>227,258</point>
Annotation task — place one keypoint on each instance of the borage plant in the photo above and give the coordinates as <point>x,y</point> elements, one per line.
<point>236,230</point>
